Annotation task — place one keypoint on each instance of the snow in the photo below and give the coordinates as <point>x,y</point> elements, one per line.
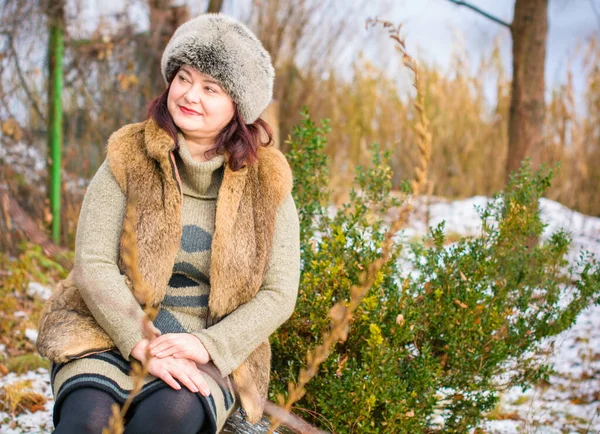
<point>24,159</point>
<point>569,404</point>
<point>30,162</point>
<point>35,289</point>
<point>31,334</point>
<point>572,401</point>
<point>461,218</point>
<point>38,422</point>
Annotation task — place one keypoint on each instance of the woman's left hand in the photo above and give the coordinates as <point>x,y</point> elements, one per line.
<point>180,346</point>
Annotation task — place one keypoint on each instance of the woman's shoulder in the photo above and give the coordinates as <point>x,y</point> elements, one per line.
<point>126,132</point>
<point>123,147</point>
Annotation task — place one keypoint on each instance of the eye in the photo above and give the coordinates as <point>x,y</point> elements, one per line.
<point>210,89</point>
<point>182,78</point>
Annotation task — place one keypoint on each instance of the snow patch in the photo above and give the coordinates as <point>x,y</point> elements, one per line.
<point>38,290</point>
<point>31,334</point>
<point>38,422</point>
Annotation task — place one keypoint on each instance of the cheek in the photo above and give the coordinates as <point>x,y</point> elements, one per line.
<point>170,98</point>
<point>174,93</point>
<point>229,109</point>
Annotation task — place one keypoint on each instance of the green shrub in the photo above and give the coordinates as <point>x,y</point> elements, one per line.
<point>445,328</point>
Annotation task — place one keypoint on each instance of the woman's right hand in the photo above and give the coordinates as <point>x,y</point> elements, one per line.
<point>170,369</point>
<point>185,371</point>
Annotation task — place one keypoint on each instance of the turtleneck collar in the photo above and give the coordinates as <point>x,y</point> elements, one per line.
<point>200,179</point>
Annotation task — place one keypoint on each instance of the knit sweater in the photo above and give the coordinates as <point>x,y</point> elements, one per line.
<point>103,287</point>
<point>184,309</point>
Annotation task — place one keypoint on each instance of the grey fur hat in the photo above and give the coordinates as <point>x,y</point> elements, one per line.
<point>225,49</point>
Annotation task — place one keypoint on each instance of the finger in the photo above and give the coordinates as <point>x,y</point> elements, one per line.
<point>164,353</point>
<point>188,355</point>
<point>168,378</point>
<point>182,355</point>
<point>187,382</point>
<point>157,340</point>
<point>200,382</point>
<point>161,340</point>
<point>162,348</point>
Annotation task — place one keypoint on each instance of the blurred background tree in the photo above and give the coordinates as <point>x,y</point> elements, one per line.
<point>324,61</point>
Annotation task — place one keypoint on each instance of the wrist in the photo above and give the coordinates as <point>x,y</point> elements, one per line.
<point>205,356</point>
<point>139,350</point>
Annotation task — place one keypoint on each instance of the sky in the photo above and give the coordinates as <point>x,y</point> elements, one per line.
<point>433,28</point>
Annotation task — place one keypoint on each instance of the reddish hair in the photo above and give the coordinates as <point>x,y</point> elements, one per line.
<point>241,140</point>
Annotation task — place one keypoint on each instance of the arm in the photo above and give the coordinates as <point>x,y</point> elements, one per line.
<point>96,273</point>
<point>231,340</point>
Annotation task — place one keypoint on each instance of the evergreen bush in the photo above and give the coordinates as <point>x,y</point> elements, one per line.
<point>446,326</point>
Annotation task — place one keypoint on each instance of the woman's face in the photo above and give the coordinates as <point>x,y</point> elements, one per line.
<point>198,105</point>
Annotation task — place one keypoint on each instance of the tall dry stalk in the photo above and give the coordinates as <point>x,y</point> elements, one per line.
<point>141,291</point>
<point>341,314</point>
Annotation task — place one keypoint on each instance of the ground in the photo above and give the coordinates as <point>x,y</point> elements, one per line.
<point>568,403</point>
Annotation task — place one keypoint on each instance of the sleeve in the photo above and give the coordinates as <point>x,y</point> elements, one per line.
<point>96,273</point>
<point>231,340</point>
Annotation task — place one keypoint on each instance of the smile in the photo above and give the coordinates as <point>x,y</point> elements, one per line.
<point>188,111</point>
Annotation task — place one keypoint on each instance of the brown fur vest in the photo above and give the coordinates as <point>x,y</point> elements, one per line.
<point>142,161</point>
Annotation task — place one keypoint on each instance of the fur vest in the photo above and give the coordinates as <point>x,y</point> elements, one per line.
<point>141,159</point>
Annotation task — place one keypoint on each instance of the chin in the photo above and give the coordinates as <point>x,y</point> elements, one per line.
<point>184,124</point>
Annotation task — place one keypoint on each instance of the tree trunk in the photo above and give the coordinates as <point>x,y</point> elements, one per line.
<point>214,6</point>
<point>271,116</point>
<point>529,33</point>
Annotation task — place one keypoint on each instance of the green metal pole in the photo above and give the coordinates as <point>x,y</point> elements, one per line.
<point>56,48</point>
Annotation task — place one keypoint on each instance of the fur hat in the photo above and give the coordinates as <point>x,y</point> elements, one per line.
<point>222,47</point>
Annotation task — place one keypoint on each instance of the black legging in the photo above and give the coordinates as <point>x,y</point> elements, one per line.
<point>87,410</point>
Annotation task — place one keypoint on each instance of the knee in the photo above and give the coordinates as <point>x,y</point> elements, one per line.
<point>158,422</point>
<point>85,410</point>
<point>168,411</point>
<point>83,426</point>
<point>176,412</point>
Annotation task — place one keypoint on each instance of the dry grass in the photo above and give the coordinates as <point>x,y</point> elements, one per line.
<point>24,363</point>
<point>470,134</point>
<point>573,138</point>
<point>19,310</point>
<point>18,397</point>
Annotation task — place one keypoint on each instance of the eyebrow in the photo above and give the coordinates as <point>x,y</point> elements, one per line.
<point>208,80</point>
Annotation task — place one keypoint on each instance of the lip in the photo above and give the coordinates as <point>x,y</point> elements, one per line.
<point>188,111</point>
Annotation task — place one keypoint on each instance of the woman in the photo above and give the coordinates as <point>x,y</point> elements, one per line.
<point>218,246</point>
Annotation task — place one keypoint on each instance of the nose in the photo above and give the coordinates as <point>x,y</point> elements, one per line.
<point>192,96</point>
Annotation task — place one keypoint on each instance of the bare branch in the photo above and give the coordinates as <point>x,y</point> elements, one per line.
<point>596,13</point>
<point>81,75</point>
<point>479,11</point>
<point>32,100</point>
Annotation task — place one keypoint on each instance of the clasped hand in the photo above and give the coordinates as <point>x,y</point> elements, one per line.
<point>176,356</point>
